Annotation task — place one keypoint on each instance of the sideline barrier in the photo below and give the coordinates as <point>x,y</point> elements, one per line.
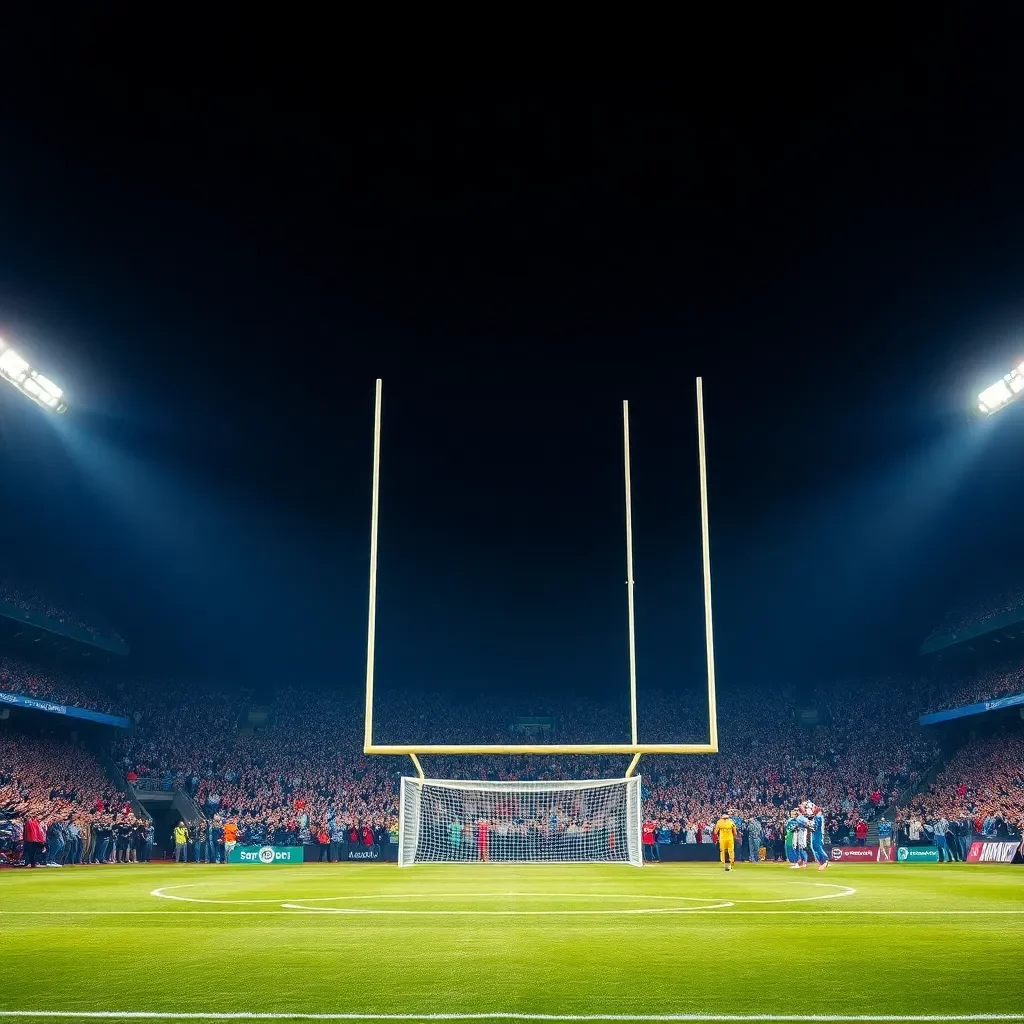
<point>861,854</point>
<point>996,851</point>
<point>688,851</point>
<point>917,855</point>
<point>265,856</point>
<point>386,853</point>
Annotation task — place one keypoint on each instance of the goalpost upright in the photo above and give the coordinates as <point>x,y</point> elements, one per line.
<point>634,747</point>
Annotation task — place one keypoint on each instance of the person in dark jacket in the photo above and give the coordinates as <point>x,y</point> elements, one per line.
<point>54,843</point>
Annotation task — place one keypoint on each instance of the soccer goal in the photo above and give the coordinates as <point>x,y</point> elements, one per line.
<point>524,822</point>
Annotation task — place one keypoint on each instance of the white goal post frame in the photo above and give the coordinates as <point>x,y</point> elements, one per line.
<point>634,747</point>
<point>543,846</point>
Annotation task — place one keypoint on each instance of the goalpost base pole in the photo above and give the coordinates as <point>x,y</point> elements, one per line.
<point>416,764</point>
<point>633,764</point>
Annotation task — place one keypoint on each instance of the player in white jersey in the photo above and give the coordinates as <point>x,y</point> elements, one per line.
<point>817,829</point>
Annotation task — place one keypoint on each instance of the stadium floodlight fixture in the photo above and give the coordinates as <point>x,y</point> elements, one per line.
<point>1005,390</point>
<point>30,382</point>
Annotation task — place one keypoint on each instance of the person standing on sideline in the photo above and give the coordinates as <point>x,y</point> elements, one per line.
<point>754,839</point>
<point>885,837</point>
<point>650,847</point>
<point>725,835</point>
<point>939,827</point>
<point>54,843</point>
<point>964,832</point>
<point>33,839</point>
<point>337,840</point>
<point>88,840</point>
<point>180,843</point>
<point>324,839</point>
<point>230,838</point>
<point>217,834</point>
<point>196,837</point>
<point>209,847</point>
<point>74,848</point>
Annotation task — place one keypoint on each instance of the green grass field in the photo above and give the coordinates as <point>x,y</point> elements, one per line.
<point>942,941</point>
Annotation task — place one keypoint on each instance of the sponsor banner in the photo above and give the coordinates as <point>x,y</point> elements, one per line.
<point>19,700</point>
<point>388,852</point>
<point>860,854</point>
<point>995,851</point>
<point>917,855</point>
<point>362,853</point>
<point>265,855</point>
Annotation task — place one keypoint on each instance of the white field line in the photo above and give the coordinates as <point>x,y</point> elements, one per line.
<point>697,1017</point>
<point>709,903</point>
<point>838,912</point>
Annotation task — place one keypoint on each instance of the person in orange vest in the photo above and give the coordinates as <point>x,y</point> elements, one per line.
<point>230,838</point>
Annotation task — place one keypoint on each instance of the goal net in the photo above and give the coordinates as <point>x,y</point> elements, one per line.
<point>524,822</point>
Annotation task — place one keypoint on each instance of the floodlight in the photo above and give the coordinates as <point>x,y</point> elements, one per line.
<point>1006,390</point>
<point>29,382</point>
<point>12,365</point>
<point>57,392</point>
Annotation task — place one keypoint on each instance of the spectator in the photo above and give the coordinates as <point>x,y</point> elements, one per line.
<point>180,843</point>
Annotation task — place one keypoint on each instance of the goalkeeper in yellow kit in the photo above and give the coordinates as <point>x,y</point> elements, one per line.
<point>725,835</point>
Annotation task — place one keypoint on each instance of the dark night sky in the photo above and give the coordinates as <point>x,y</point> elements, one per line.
<point>218,263</point>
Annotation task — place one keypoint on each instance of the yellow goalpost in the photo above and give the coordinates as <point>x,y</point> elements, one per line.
<point>633,747</point>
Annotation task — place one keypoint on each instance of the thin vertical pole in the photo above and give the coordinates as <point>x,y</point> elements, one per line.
<point>629,576</point>
<point>371,619</point>
<point>709,633</point>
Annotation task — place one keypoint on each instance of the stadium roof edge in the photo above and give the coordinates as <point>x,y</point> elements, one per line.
<point>942,641</point>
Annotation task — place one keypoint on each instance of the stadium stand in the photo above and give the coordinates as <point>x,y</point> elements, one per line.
<point>23,677</point>
<point>1001,679</point>
<point>60,784</point>
<point>297,770</point>
<point>984,780</point>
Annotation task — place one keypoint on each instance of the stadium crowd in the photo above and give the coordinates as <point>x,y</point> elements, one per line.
<point>22,677</point>
<point>1002,680</point>
<point>56,796</point>
<point>983,784</point>
<point>305,769</point>
<point>295,772</point>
